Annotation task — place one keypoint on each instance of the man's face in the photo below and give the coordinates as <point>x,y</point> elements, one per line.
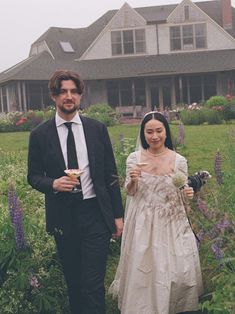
<point>68,101</point>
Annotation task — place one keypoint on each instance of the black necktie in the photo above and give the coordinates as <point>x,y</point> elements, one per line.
<point>71,148</point>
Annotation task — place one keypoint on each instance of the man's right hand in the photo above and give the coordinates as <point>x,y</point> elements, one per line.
<point>65,184</point>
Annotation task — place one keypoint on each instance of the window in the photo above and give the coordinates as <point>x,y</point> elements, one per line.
<point>175,38</point>
<point>66,46</point>
<point>128,42</point>
<point>120,92</point>
<point>116,40</point>
<point>188,37</point>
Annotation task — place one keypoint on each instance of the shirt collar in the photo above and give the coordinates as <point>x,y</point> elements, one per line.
<point>59,121</point>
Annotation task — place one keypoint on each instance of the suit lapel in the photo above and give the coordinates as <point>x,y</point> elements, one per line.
<point>55,143</point>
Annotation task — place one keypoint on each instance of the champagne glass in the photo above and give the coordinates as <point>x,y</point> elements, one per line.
<point>141,164</point>
<point>74,173</point>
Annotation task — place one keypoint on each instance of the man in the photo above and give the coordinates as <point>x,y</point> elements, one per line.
<point>82,223</point>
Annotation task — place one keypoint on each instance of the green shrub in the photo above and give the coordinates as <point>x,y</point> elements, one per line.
<point>212,116</point>
<point>215,101</point>
<point>103,113</point>
<point>6,125</point>
<point>192,117</point>
<point>229,111</point>
<point>204,115</point>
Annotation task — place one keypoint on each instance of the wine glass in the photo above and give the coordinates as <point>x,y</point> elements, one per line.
<point>74,173</point>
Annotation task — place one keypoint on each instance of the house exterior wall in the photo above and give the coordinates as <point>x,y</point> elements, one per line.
<point>195,14</point>
<point>217,39</point>
<point>125,18</point>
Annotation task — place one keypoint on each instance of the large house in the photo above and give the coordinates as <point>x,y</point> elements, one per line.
<point>133,58</point>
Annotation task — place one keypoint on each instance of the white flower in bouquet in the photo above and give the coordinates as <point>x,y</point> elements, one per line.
<point>179,180</point>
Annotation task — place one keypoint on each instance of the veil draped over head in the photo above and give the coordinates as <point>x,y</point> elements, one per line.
<point>138,147</point>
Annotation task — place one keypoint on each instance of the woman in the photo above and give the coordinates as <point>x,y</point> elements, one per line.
<point>159,269</point>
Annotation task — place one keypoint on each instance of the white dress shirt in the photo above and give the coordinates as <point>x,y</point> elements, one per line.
<point>81,149</point>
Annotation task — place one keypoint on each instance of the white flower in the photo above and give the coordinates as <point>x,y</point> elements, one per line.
<point>179,180</point>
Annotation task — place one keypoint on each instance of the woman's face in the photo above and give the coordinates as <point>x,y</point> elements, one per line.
<point>155,134</point>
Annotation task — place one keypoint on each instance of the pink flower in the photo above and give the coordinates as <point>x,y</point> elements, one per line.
<point>21,121</point>
<point>34,282</point>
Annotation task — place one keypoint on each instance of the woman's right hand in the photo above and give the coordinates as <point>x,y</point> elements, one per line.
<point>134,174</point>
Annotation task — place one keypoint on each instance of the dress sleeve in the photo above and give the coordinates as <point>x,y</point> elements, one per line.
<point>130,163</point>
<point>182,165</point>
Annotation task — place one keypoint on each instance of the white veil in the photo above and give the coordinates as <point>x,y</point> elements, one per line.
<point>138,147</point>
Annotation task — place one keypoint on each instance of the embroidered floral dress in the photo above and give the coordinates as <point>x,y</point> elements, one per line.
<point>159,269</point>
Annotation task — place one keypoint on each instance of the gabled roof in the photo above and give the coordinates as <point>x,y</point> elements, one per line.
<point>42,66</point>
<point>82,38</point>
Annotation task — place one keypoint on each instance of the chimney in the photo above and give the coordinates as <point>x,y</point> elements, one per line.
<point>227,14</point>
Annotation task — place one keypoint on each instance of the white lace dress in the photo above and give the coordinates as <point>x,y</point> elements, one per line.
<point>159,269</point>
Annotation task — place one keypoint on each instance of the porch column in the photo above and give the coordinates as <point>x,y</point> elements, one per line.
<point>8,99</point>
<point>119,95</point>
<point>19,96</point>
<point>161,105</point>
<point>1,96</point>
<point>148,96</point>
<point>42,102</point>
<point>188,91</point>
<point>24,97</point>
<point>133,98</point>
<point>202,89</point>
<point>173,92</point>
<point>181,90</point>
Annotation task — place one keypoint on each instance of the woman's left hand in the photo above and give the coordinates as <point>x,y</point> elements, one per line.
<point>188,192</point>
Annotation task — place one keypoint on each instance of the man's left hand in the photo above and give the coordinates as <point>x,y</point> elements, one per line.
<point>119,227</point>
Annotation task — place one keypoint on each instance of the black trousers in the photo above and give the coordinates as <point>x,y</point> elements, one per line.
<point>83,256</point>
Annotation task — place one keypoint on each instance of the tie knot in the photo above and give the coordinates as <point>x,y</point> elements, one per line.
<point>68,125</point>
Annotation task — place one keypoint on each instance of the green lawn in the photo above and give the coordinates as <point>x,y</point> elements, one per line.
<point>201,145</point>
<point>201,142</point>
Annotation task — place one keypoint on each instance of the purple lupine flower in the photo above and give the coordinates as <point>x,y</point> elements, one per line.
<point>213,233</point>
<point>200,237</point>
<point>181,135</point>
<point>216,249</point>
<point>19,230</point>
<point>121,138</point>
<point>218,170</point>
<point>35,283</point>
<point>202,206</point>
<point>223,224</point>
<point>12,201</point>
<point>16,213</point>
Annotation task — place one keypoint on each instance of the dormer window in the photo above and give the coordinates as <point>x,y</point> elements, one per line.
<point>127,42</point>
<point>188,37</point>
<point>66,46</point>
<point>186,12</point>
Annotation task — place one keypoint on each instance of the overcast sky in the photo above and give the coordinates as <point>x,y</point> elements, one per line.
<point>23,21</point>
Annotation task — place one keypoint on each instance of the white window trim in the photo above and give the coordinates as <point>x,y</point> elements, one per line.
<point>194,37</point>
<point>134,42</point>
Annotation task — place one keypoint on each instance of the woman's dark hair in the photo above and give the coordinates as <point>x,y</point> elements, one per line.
<point>54,84</point>
<point>157,116</point>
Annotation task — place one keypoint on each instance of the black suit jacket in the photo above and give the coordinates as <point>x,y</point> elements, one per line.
<point>46,163</point>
